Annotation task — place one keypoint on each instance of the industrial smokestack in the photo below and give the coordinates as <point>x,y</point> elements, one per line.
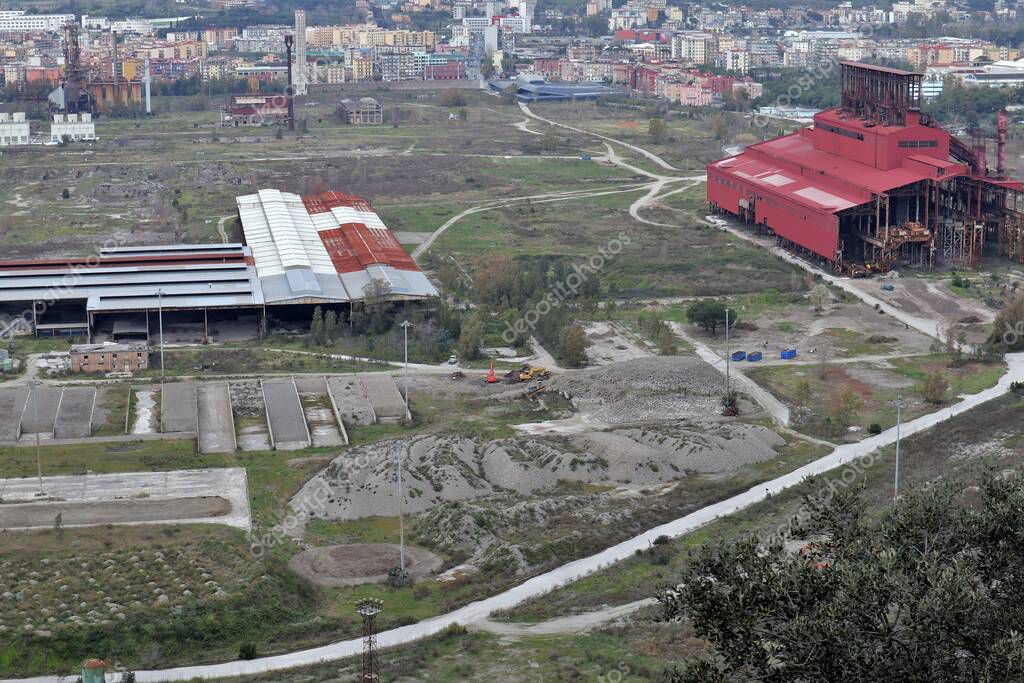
<point>289,94</point>
<point>1001,122</point>
<point>148,109</point>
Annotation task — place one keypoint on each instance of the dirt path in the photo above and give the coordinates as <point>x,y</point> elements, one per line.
<point>576,623</point>
<point>424,247</point>
<point>639,150</point>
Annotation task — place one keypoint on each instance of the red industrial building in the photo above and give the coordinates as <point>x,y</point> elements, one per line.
<point>875,184</point>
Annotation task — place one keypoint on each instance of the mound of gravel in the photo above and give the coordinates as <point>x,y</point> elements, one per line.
<point>645,389</point>
<point>439,469</point>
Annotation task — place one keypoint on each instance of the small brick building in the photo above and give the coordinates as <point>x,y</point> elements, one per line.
<point>127,357</point>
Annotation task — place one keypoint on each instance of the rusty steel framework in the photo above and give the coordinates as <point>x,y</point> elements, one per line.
<point>878,94</point>
<point>368,609</point>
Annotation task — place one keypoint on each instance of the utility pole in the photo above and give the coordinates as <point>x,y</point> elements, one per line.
<point>405,328</point>
<point>899,416</point>
<point>401,516</point>
<point>160,312</point>
<point>39,455</point>
<point>728,355</point>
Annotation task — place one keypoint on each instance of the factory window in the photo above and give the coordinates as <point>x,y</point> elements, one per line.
<point>915,144</point>
<point>842,131</point>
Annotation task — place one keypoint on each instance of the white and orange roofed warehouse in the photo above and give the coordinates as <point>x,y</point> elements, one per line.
<point>327,247</point>
<point>330,248</point>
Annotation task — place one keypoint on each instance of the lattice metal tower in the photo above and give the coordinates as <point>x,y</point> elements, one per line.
<point>368,609</point>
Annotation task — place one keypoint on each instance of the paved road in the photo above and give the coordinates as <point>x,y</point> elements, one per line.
<point>284,413</point>
<point>216,426</point>
<point>75,417</point>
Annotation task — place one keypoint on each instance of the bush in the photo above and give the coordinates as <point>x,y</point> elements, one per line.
<point>874,428</point>
<point>247,651</point>
<point>661,540</point>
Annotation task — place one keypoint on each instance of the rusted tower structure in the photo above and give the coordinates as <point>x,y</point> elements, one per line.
<point>368,609</point>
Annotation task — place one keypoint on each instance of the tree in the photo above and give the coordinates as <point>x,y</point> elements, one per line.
<point>330,327</point>
<point>709,315</point>
<point>927,590</point>
<point>657,129</point>
<point>65,193</point>
<point>934,388</point>
<point>666,341</point>
<point>819,296</point>
<point>316,327</point>
<point>574,346</point>
<point>471,336</point>
<point>1008,328</point>
<point>844,405</point>
<point>486,67</point>
<point>802,398</point>
<point>452,98</point>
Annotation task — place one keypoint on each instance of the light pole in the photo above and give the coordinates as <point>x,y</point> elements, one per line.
<point>728,355</point>
<point>160,311</point>
<point>899,416</point>
<point>401,518</point>
<point>405,328</point>
<point>39,455</point>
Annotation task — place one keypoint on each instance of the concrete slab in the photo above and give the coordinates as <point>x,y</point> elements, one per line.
<point>41,412</point>
<point>12,404</point>
<point>215,496</point>
<point>284,413</point>
<point>316,405</point>
<point>74,419</point>
<point>384,396</point>
<point>216,423</point>
<point>352,403</point>
<point>178,407</point>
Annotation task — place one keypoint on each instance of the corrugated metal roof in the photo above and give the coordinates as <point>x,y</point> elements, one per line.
<point>307,247</point>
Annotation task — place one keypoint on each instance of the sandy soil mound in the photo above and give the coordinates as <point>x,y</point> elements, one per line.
<point>350,565</point>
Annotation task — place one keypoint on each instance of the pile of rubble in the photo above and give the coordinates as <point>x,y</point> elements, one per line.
<point>645,389</point>
<point>247,399</point>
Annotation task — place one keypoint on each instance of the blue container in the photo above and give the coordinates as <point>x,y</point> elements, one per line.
<point>754,356</point>
<point>788,354</point>
<point>739,355</point>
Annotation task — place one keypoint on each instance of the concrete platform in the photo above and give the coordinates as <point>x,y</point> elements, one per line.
<point>41,412</point>
<point>319,412</point>
<point>74,419</point>
<point>179,407</point>
<point>384,396</point>
<point>288,430</point>
<point>12,404</point>
<point>354,407</point>
<point>216,423</point>
<point>215,496</point>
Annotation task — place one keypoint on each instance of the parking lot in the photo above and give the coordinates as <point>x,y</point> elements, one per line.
<point>41,411</point>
